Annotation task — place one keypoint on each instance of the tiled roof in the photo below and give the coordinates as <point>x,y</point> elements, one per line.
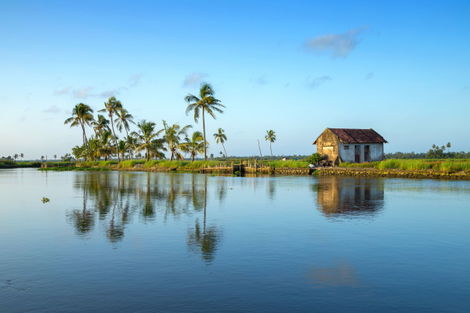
<point>351,135</point>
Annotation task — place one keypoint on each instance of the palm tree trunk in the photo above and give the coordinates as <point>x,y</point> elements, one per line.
<point>223,146</point>
<point>85,141</point>
<point>270,148</point>
<point>115,138</point>
<point>204,131</point>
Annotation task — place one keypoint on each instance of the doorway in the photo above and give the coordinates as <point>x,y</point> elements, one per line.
<point>367,153</point>
<point>357,153</point>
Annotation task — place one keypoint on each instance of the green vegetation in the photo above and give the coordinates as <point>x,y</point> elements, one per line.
<point>443,165</point>
<point>436,152</point>
<point>107,141</point>
<point>286,163</point>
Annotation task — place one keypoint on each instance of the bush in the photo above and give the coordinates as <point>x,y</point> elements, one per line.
<point>314,158</point>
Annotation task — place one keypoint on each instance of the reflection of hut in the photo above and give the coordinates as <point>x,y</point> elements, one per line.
<point>350,196</point>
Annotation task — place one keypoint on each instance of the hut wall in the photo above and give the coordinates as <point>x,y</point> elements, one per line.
<point>347,152</point>
<point>328,144</point>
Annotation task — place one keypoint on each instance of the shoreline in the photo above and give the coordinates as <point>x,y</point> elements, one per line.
<point>284,171</point>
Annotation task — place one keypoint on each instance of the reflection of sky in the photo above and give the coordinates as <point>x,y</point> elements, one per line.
<point>263,237</point>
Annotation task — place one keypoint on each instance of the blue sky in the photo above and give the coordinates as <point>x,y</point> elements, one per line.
<point>293,66</point>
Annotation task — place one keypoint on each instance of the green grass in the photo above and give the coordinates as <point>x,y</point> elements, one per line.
<point>447,165</point>
<point>286,163</point>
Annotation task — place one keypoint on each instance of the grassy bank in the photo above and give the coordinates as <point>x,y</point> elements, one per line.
<point>175,165</point>
<point>444,165</point>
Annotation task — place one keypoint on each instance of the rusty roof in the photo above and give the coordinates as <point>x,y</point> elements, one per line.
<point>354,135</point>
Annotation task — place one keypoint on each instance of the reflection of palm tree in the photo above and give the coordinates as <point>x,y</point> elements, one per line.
<point>207,239</point>
<point>221,189</point>
<point>271,188</point>
<point>83,220</point>
<point>148,210</point>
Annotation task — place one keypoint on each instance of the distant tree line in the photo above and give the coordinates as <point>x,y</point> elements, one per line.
<point>436,152</point>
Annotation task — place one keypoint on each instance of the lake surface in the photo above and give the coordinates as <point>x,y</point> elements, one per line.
<point>155,242</point>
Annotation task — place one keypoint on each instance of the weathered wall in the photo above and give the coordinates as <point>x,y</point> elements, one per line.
<point>328,144</point>
<point>348,155</point>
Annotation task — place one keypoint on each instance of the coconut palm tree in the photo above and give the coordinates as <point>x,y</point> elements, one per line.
<point>122,148</point>
<point>206,102</point>
<point>131,144</point>
<point>220,137</point>
<point>123,119</point>
<point>194,145</point>
<point>82,115</point>
<point>172,135</point>
<point>100,125</point>
<point>270,137</point>
<point>148,140</point>
<point>111,107</point>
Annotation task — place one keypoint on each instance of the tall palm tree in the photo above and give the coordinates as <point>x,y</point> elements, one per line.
<point>206,102</point>
<point>82,115</point>
<point>270,137</point>
<point>193,146</point>
<point>123,119</point>
<point>172,135</point>
<point>220,137</point>
<point>111,107</point>
<point>100,125</point>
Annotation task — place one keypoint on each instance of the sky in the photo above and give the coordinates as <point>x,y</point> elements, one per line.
<point>297,67</point>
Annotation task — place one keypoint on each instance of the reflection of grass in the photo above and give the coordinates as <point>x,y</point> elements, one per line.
<point>447,165</point>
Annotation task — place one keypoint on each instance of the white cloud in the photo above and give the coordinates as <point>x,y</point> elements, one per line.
<point>194,79</point>
<point>338,45</point>
<point>52,109</point>
<point>317,81</point>
<point>369,76</point>
<point>89,91</point>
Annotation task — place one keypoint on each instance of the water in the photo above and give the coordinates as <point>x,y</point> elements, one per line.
<point>154,242</point>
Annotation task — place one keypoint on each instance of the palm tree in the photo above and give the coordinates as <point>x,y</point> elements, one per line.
<point>172,136</point>
<point>122,148</point>
<point>111,107</point>
<point>148,139</point>
<point>131,143</point>
<point>82,115</point>
<point>104,148</point>
<point>193,146</point>
<point>206,102</point>
<point>21,155</point>
<point>270,137</point>
<point>123,119</point>
<point>220,137</point>
<point>100,125</point>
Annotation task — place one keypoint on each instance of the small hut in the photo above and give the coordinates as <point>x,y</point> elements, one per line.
<point>350,145</point>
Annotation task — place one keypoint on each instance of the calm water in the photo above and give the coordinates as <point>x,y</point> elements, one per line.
<point>153,242</point>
